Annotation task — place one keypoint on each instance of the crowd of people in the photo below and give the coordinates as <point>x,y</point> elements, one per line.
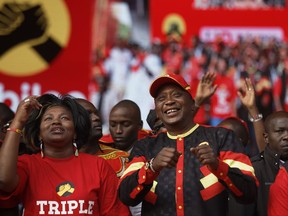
<point>127,70</point>
<point>208,104</point>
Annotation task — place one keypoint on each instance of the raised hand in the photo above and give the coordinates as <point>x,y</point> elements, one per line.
<point>166,158</point>
<point>205,88</point>
<point>246,94</point>
<point>206,155</point>
<point>24,109</point>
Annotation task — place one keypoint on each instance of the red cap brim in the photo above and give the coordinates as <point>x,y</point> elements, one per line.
<point>168,79</point>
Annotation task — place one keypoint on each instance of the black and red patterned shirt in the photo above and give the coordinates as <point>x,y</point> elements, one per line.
<point>190,188</point>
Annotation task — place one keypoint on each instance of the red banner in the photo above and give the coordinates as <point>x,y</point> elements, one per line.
<point>210,21</point>
<point>45,46</point>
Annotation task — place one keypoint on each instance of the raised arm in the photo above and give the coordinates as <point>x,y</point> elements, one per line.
<point>246,94</point>
<point>205,89</point>
<point>9,150</point>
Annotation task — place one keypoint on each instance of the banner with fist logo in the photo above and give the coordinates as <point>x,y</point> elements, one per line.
<point>45,46</point>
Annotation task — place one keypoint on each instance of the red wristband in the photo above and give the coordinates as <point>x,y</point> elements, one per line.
<point>16,130</point>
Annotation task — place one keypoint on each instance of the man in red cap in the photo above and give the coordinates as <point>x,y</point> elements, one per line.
<point>190,169</point>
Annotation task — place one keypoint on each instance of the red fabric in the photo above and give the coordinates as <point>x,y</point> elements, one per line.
<point>221,173</point>
<point>179,190</point>
<point>143,133</point>
<point>135,160</point>
<point>222,170</point>
<point>169,78</point>
<point>277,87</point>
<point>173,61</point>
<point>115,157</point>
<point>228,155</point>
<point>151,197</point>
<point>98,71</point>
<point>78,183</point>
<point>106,139</point>
<point>205,171</point>
<point>212,191</point>
<point>217,188</point>
<point>145,176</point>
<point>136,191</point>
<point>278,195</point>
<point>223,98</point>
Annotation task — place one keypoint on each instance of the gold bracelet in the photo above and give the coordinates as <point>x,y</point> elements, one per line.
<point>16,130</point>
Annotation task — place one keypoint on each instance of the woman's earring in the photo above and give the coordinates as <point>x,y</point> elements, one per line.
<point>42,148</point>
<point>75,148</point>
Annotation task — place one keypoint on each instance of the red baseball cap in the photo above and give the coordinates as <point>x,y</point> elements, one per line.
<point>169,78</point>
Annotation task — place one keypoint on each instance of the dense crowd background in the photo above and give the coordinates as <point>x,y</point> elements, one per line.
<point>127,69</point>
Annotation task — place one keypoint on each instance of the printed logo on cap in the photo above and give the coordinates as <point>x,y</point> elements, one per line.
<point>32,35</point>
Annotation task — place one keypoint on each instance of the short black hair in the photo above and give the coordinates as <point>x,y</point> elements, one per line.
<point>271,117</point>
<point>129,104</point>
